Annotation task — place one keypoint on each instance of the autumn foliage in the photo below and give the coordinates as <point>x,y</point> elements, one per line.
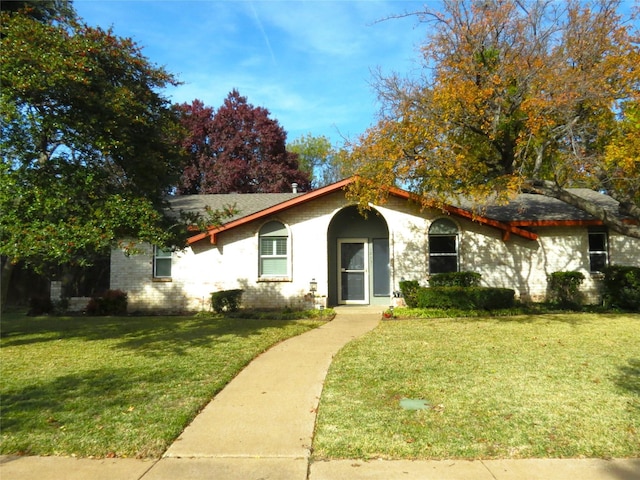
<point>515,96</point>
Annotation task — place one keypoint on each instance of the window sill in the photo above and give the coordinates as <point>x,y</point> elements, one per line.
<point>274,279</point>
<point>162,279</point>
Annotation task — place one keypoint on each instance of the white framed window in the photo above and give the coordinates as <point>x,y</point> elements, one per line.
<point>161,263</point>
<point>598,249</point>
<point>443,246</point>
<point>274,251</point>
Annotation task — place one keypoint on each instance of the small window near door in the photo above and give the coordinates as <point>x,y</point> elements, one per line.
<point>274,250</point>
<point>161,263</point>
<point>598,250</point>
<point>443,246</point>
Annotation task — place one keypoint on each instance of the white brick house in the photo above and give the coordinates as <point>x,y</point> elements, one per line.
<point>280,246</point>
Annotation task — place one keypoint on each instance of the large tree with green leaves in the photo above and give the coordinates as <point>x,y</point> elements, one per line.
<point>516,95</point>
<point>322,161</point>
<point>89,144</point>
<point>41,10</point>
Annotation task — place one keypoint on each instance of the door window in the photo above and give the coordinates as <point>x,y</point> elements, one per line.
<point>353,271</point>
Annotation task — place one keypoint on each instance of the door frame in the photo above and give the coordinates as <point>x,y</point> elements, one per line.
<point>365,243</point>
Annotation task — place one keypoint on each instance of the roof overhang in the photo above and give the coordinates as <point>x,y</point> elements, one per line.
<point>507,228</point>
<point>212,233</point>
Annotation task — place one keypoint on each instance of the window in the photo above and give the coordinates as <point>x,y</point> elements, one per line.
<point>274,250</point>
<point>161,263</point>
<point>381,287</point>
<point>443,246</point>
<point>598,250</point>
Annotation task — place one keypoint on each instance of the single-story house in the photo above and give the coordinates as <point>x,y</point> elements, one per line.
<point>300,248</point>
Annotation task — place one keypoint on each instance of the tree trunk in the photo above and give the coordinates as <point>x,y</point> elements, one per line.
<point>5,280</point>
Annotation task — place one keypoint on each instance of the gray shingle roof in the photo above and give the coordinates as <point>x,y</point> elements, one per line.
<point>245,203</point>
<point>531,207</point>
<point>526,207</point>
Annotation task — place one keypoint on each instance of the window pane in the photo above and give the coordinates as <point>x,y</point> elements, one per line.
<point>352,285</point>
<point>597,261</point>
<point>273,229</point>
<point>163,267</point>
<point>274,266</point>
<point>381,285</point>
<point>160,253</point>
<point>440,244</point>
<point>442,226</point>
<point>597,242</point>
<point>352,256</point>
<point>280,246</point>
<point>266,246</point>
<point>443,264</point>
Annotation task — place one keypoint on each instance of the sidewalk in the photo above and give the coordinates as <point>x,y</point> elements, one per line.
<point>260,426</point>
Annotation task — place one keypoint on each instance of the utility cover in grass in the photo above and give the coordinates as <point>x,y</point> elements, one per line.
<point>414,404</point>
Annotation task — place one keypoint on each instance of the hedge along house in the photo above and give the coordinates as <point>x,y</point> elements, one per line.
<point>296,249</point>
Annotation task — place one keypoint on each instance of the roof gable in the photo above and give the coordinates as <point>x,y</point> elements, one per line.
<point>269,210</point>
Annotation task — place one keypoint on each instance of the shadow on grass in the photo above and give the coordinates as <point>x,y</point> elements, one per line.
<point>148,335</point>
<point>629,379</point>
<point>30,408</point>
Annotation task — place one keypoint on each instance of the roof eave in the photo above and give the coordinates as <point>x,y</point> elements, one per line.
<point>320,192</point>
<point>507,228</point>
<point>213,232</point>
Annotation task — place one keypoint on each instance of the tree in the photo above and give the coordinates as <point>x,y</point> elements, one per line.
<point>238,148</point>
<point>516,96</point>
<point>88,143</point>
<point>317,157</point>
<point>196,120</point>
<point>41,10</point>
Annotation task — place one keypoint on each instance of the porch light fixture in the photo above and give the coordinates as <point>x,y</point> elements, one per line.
<point>313,286</point>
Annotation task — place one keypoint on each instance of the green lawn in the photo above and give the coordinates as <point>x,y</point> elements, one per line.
<point>118,386</point>
<point>541,386</point>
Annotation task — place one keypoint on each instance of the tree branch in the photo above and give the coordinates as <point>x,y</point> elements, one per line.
<point>610,219</point>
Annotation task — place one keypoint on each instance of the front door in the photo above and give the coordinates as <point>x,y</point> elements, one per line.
<point>353,277</point>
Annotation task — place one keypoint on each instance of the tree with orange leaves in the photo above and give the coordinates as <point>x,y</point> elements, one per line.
<point>515,96</point>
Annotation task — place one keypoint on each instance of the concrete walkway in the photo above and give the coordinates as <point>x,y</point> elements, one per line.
<point>260,426</point>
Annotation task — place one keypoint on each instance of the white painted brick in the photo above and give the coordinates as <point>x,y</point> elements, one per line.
<point>520,264</point>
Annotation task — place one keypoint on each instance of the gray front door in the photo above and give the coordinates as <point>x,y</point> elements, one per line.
<point>353,275</point>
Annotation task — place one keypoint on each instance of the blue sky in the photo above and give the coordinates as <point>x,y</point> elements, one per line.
<point>309,63</point>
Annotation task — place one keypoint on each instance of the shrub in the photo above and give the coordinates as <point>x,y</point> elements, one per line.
<point>113,302</point>
<point>226,300</point>
<point>455,279</point>
<point>40,306</point>
<point>465,298</point>
<point>621,287</point>
<point>409,289</point>
<point>564,289</point>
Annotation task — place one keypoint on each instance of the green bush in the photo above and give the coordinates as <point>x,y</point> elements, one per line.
<point>113,302</point>
<point>409,289</point>
<point>621,287</point>
<point>455,279</point>
<point>40,306</point>
<point>226,300</point>
<point>465,298</point>
<point>564,289</point>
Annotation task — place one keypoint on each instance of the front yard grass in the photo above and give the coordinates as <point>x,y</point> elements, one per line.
<point>119,386</point>
<point>532,386</point>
